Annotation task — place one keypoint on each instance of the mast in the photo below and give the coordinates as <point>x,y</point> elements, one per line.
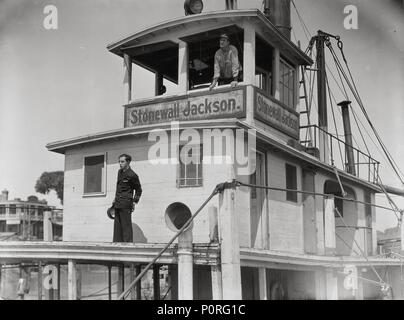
<point>322,96</point>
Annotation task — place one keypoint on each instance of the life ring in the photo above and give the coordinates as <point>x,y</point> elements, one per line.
<point>277,292</point>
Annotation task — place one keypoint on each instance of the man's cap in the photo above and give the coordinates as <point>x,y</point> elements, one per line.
<point>111,213</point>
<point>224,35</point>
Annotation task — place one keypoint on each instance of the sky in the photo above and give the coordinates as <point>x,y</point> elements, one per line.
<point>62,83</point>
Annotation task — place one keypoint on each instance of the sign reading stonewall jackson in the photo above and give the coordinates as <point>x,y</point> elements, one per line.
<point>276,115</point>
<point>206,105</point>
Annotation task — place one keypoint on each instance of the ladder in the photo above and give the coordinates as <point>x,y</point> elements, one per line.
<point>306,131</point>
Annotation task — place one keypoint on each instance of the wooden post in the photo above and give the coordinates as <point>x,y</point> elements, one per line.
<point>183,67</point>
<point>320,285</point>
<point>127,82</point>
<point>230,248</point>
<point>121,279</point>
<point>57,290</point>
<point>47,226</point>
<point>71,280</point>
<point>185,266</point>
<point>109,283</point>
<point>131,279</point>
<point>262,275</point>
<point>156,282</point>
<point>249,54</point>
<point>329,226</point>
<point>40,282</point>
<point>275,73</point>
<point>217,290</point>
<point>331,284</point>
<point>139,284</point>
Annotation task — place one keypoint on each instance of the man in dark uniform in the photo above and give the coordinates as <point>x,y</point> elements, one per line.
<point>128,181</point>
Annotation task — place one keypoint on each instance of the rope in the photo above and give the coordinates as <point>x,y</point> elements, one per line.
<point>217,190</point>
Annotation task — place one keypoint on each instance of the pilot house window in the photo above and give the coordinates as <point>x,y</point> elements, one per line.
<point>287,84</point>
<point>190,166</point>
<point>94,174</point>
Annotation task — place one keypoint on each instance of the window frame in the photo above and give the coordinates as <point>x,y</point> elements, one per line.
<point>178,180</point>
<point>283,86</point>
<point>103,177</point>
<point>295,198</point>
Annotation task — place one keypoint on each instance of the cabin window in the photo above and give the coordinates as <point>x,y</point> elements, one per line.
<point>287,77</point>
<point>15,228</point>
<point>13,209</point>
<point>3,226</point>
<point>190,166</point>
<point>291,183</point>
<point>202,49</point>
<point>263,69</point>
<point>2,209</point>
<point>94,174</point>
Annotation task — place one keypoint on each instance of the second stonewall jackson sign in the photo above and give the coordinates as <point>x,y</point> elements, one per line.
<point>220,104</point>
<point>276,115</point>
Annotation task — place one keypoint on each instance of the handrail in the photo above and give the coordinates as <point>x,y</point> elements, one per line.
<point>371,163</point>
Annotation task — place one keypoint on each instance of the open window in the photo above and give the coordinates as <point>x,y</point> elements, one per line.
<point>202,48</point>
<point>263,69</point>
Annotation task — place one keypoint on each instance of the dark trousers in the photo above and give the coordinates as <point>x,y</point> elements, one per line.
<point>123,231</point>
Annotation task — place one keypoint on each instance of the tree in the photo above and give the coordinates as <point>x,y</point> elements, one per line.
<point>51,181</point>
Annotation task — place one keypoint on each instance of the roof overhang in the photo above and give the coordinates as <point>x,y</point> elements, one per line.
<point>187,25</point>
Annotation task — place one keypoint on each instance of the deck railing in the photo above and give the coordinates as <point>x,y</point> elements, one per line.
<point>366,167</point>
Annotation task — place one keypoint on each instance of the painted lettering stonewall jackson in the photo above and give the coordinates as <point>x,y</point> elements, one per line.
<point>224,104</point>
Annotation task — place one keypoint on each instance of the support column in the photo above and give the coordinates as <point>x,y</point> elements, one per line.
<point>320,285</point>
<point>329,226</point>
<point>249,55</point>
<point>72,277</point>
<point>217,288</point>
<point>156,282</point>
<point>230,248</point>
<point>262,282</point>
<point>121,280</point>
<point>183,67</point>
<point>275,73</point>
<point>185,266</point>
<point>47,226</point>
<point>57,289</point>
<point>109,283</point>
<point>132,278</point>
<point>139,284</point>
<point>127,80</point>
<point>331,285</point>
<point>40,281</point>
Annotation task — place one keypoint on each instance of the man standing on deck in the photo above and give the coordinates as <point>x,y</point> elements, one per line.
<point>227,65</point>
<point>128,181</point>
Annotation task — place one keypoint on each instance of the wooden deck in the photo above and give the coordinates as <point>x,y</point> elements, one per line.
<point>100,253</point>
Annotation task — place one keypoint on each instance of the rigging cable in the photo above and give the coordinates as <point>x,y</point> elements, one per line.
<point>355,92</point>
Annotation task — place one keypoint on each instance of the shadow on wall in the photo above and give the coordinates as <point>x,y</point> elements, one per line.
<point>138,235</point>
